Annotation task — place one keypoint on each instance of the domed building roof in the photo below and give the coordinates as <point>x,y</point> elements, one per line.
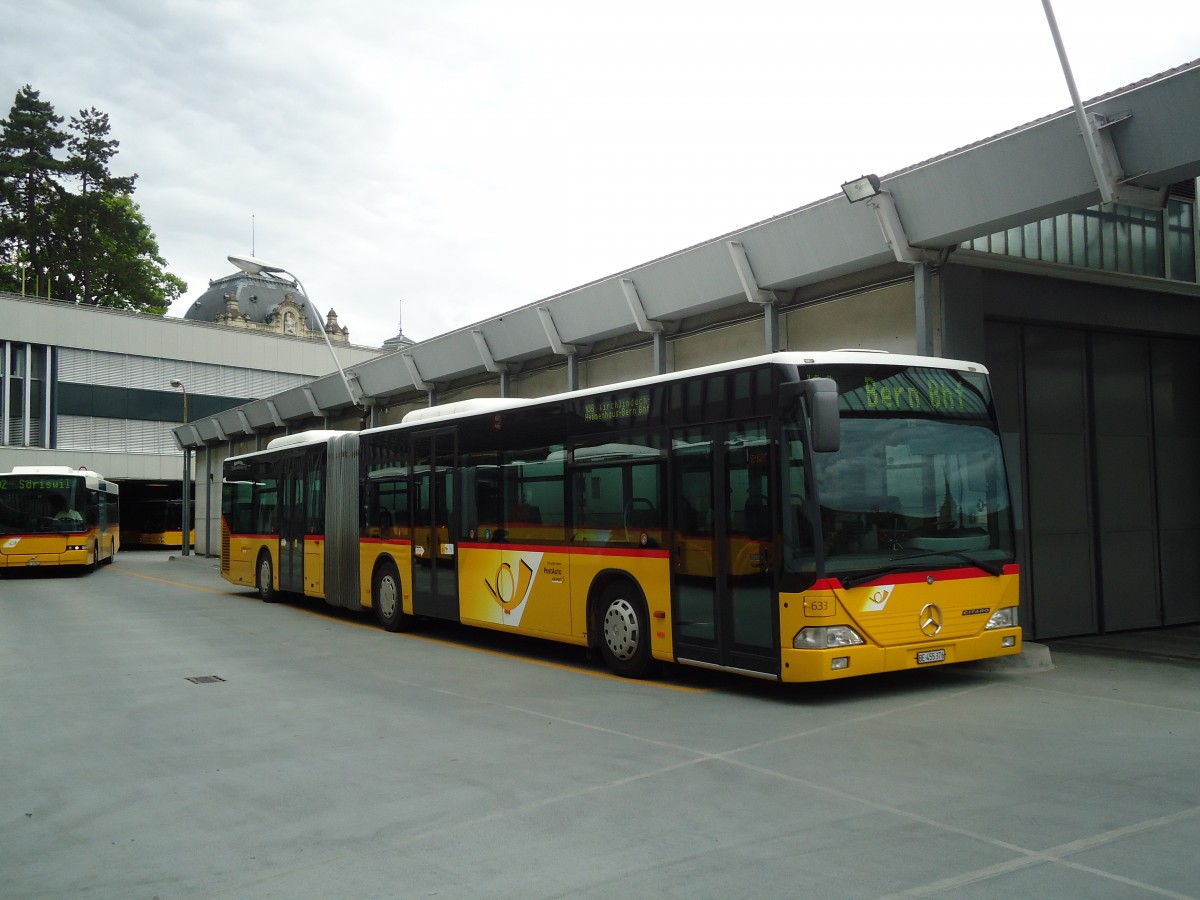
<point>257,296</point>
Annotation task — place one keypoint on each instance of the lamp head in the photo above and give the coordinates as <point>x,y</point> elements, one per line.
<point>861,188</point>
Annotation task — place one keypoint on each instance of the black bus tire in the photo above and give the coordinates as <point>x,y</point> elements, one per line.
<point>387,598</point>
<point>265,577</point>
<point>624,630</point>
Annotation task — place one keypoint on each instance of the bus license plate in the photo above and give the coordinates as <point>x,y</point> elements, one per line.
<point>928,656</point>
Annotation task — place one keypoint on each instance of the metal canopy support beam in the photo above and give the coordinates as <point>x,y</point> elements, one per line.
<point>363,399</point>
<point>415,374</point>
<point>312,401</point>
<point>639,311</point>
<point>646,325</point>
<point>741,262</point>
<point>660,353</point>
<point>485,352</point>
<point>1123,192</point>
<point>755,294</point>
<point>1101,151</point>
<point>573,372</point>
<point>923,290</point>
<point>246,426</point>
<point>771,326</point>
<point>894,235</point>
<point>489,361</point>
<point>556,342</point>
<point>276,419</point>
<point>560,348</point>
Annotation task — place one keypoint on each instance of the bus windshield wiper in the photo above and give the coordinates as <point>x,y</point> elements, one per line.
<point>987,565</point>
<point>990,566</point>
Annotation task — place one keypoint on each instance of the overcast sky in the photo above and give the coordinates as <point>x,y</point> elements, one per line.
<point>466,157</point>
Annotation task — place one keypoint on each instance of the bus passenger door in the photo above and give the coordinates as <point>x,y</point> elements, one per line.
<point>435,527</point>
<point>292,525</point>
<point>724,589</point>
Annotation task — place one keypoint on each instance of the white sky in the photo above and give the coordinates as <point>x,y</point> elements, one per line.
<point>468,157</point>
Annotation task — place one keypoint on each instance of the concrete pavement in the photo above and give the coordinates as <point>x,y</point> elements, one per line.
<point>336,760</point>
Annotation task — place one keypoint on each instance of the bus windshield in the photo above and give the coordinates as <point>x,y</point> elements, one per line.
<point>31,504</point>
<point>917,483</point>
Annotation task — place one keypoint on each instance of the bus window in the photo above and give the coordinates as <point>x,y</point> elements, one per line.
<point>265,504</point>
<point>479,481</point>
<point>617,493</point>
<point>532,489</point>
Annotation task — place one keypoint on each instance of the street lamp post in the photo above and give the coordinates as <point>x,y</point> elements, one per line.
<point>258,267</point>
<point>187,477</point>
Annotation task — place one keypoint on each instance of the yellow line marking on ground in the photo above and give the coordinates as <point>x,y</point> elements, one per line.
<point>194,587</point>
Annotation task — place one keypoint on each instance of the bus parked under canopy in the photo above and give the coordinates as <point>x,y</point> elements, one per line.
<point>798,517</point>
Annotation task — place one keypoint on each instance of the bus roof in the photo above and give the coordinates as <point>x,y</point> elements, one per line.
<point>807,358</point>
<point>53,470</point>
<point>465,408</point>
<point>316,436</point>
<point>313,438</point>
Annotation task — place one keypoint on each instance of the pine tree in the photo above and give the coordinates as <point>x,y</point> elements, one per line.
<point>30,195</point>
<point>90,150</point>
<point>72,220</point>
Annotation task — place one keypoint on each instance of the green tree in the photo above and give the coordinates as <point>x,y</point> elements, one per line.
<point>30,195</point>
<point>71,219</point>
<point>91,150</point>
<point>134,275</point>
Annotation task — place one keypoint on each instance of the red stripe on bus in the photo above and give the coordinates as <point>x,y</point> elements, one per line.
<point>653,553</point>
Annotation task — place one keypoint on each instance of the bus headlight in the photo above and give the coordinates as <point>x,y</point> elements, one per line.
<point>76,546</point>
<point>1005,617</point>
<point>824,637</point>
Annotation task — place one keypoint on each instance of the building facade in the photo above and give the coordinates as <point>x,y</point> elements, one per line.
<point>93,387</point>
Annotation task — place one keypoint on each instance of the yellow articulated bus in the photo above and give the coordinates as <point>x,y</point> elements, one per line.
<point>795,517</point>
<point>58,516</point>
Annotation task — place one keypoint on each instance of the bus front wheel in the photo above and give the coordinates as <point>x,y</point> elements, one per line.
<point>266,577</point>
<point>624,630</point>
<point>388,598</point>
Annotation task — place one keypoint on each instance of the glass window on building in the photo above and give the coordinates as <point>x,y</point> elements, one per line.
<point>1114,238</point>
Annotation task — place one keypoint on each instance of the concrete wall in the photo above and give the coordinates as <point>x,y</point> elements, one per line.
<point>111,464</point>
<point>879,319</point>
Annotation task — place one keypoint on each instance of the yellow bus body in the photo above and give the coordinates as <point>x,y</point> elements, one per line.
<point>543,591</point>
<point>81,549</point>
<point>889,617</point>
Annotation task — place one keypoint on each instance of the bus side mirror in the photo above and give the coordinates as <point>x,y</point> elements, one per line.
<point>821,400</point>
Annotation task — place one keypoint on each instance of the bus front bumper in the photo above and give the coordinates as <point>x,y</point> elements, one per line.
<point>867,659</point>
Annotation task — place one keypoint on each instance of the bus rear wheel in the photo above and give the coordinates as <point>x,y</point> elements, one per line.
<point>387,597</point>
<point>624,630</point>
<point>266,577</point>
